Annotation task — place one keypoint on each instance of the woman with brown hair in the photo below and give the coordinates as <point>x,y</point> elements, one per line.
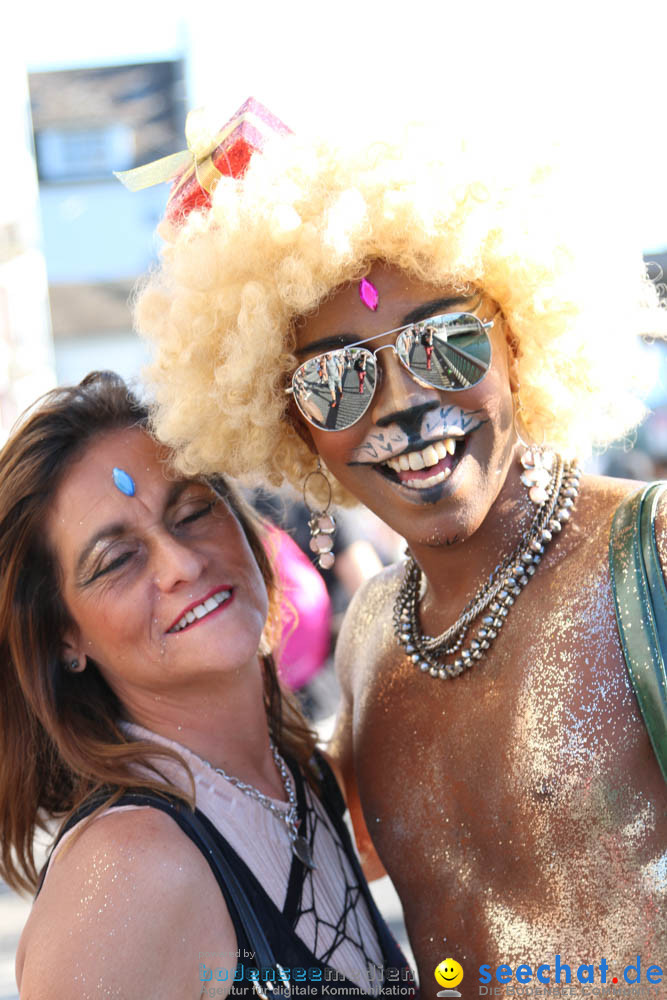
<point>141,709</point>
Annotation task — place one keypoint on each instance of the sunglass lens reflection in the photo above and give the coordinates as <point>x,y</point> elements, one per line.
<point>334,390</point>
<point>449,352</point>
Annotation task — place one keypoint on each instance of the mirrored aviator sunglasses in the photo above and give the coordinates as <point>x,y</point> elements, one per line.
<point>451,352</point>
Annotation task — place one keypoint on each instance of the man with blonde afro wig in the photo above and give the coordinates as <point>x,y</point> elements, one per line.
<point>495,758</point>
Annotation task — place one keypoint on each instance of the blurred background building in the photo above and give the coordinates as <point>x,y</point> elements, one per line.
<point>97,240</point>
<point>26,354</point>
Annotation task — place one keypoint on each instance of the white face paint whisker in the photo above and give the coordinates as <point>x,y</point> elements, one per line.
<point>447,423</point>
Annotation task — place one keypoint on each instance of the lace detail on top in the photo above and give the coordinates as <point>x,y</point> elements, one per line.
<point>332,915</point>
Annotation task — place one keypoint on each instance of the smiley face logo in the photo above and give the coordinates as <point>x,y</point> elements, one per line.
<point>449,973</point>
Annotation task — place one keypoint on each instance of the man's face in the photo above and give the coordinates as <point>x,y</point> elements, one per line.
<point>437,498</point>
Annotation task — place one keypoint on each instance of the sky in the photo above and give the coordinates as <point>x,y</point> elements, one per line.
<point>587,73</point>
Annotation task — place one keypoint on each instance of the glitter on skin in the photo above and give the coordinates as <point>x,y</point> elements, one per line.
<point>526,786</point>
<point>113,886</point>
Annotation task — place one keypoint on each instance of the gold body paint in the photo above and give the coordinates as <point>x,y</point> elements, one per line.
<point>518,808</point>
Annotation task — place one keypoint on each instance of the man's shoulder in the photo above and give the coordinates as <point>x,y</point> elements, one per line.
<point>366,617</point>
<point>600,498</point>
<point>660,524</point>
<point>611,489</point>
<point>380,591</point>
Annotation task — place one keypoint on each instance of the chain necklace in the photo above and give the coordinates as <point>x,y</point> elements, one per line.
<point>496,596</point>
<point>300,846</point>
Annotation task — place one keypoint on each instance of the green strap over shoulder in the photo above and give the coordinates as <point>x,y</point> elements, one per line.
<point>640,597</point>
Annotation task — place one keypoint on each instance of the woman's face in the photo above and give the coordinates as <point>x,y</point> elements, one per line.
<point>405,417</point>
<point>162,586</point>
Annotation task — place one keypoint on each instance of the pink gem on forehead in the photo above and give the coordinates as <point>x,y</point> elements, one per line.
<point>368,294</point>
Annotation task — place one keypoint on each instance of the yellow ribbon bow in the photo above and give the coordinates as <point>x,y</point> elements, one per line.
<point>202,143</point>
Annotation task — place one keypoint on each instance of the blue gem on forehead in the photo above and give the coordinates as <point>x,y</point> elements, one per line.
<point>124,482</point>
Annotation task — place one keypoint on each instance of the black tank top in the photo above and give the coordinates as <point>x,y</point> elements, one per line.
<point>308,976</point>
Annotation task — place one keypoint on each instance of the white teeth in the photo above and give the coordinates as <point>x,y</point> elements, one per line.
<point>430,456</point>
<point>201,610</point>
<point>424,459</point>
<point>424,484</point>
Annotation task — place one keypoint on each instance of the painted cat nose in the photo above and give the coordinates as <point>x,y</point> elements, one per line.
<point>398,397</point>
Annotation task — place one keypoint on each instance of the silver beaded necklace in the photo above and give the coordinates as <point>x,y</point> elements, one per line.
<point>300,846</point>
<point>496,596</point>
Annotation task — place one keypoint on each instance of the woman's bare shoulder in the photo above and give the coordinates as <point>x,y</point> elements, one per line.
<point>127,908</point>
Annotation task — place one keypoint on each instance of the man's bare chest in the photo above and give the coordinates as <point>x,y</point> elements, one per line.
<point>547,719</point>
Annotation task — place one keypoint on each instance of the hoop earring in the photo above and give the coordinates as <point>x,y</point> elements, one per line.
<point>536,460</point>
<point>322,524</point>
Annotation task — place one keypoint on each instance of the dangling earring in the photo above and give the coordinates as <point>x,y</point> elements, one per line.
<point>536,460</point>
<point>322,524</point>
<point>264,645</point>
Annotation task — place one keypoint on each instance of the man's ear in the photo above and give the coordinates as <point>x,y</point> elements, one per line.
<point>512,359</point>
<point>300,426</point>
<point>513,372</point>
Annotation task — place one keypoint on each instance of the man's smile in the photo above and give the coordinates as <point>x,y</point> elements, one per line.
<point>419,459</point>
<point>421,468</point>
<point>443,426</point>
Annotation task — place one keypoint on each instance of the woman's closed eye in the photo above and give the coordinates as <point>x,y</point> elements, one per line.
<point>113,559</point>
<point>121,552</point>
<point>192,512</point>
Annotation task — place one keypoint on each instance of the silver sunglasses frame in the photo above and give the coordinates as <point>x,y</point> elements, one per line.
<point>419,326</point>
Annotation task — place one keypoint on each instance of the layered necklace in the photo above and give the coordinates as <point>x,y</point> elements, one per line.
<point>451,652</point>
<point>300,846</point>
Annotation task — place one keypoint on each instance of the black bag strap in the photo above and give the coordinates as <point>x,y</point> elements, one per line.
<point>640,598</point>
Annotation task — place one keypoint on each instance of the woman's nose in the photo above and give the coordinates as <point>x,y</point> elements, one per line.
<point>175,562</point>
<point>399,398</point>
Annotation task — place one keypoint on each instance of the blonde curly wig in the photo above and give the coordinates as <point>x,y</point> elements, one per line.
<point>309,216</point>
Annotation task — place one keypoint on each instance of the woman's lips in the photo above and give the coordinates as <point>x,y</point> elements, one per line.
<point>209,605</point>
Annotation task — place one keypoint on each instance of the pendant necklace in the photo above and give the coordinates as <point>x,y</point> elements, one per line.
<point>300,846</point>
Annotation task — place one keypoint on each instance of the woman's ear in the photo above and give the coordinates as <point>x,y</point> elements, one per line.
<point>72,656</point>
